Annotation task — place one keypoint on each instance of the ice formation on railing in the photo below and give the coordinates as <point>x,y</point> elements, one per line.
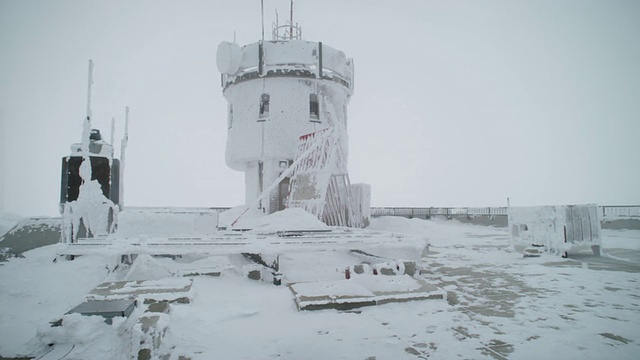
<point>320,184</point>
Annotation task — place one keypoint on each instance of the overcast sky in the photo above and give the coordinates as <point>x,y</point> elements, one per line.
<point>456,103</point>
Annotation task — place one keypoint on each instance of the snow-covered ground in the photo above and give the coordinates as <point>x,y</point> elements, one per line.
<point>499,304</point>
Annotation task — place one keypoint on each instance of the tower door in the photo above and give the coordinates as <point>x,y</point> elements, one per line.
<point>283,193</point>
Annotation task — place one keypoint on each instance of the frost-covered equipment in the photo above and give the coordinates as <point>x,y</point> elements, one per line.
<point>556,229</point>
<point>278,93</point>
<point>90,183</point>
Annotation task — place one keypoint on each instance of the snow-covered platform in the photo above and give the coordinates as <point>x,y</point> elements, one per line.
<point>179,232</point>
<point>362,290</point>
<point>498,305</point>
<point>242,242</point>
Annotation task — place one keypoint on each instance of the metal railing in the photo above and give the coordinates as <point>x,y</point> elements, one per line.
<point>620,211</point>
<point>437,211</point>
<point>607,211</point>
<point>175,209</point>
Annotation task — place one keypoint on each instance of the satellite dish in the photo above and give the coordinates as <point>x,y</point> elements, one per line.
<point>228,58</point>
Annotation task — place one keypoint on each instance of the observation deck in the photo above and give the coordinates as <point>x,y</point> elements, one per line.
<point>283,58</point>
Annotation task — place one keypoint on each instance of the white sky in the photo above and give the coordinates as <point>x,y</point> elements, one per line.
<point>456,103</point>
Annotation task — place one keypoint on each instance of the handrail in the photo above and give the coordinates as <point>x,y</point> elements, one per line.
<point>607,211</point>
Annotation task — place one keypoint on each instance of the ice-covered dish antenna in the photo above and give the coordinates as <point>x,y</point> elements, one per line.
<point>287,125</point>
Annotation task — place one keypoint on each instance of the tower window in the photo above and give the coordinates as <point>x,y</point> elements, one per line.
<point>314,108</point>
<point>264,106</point>
<point>230,120</point>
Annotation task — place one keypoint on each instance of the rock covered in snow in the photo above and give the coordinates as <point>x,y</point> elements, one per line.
<point>8,221</point>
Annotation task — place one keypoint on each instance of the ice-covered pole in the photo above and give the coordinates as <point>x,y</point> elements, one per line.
<point>123,148</point>
<point>85,167</point>
<point>291,22</point>
<point>113,130</point>
<point>86,130</point>
<point>262,15</point>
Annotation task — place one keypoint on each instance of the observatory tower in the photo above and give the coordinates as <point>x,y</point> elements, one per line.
<point>287,119</point>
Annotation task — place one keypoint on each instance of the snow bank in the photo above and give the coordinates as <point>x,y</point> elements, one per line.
<point>87,337</point>
<point>36,290</point>
<point>289,219</point>
<point>412,226</point>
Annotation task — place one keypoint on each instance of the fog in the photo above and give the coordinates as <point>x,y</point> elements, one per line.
<point>459,103</point>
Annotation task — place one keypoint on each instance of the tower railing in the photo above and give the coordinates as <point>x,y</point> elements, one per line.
<point>299,59</point>
<point>287,31</point>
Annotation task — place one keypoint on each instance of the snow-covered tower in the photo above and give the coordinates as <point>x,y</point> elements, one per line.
<point>283,94</point>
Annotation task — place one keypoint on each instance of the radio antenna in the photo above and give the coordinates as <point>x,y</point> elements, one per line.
<point>291,22</point>
<point>113,130</point>
<point>123,148</point>
<point>262,13</point>
<point>86,129</point>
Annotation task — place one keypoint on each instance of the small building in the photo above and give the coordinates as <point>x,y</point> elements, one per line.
<point>556,229</point>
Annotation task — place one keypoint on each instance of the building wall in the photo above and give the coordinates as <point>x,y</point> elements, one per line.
<point>271,138</point>
<point>274,136</point>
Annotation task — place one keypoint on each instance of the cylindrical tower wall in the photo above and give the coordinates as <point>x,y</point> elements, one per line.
<point>272,134</point>
<point>278,91</point>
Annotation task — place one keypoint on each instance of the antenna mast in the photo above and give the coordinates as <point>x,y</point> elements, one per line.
<point>113,130</point>
<point>262,13</point>
<point>89,90</point>
<point>288,31</point>
<point>86,129</point>
<point>291,22</point>
<point>123,148</point>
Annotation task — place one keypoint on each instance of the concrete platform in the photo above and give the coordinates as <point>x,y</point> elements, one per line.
<point>170,289</point>
<point>363,290</point>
